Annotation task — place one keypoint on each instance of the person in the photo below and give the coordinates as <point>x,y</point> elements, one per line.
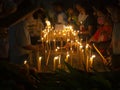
<point>61,17</point>
<point>115,43</point>
<point>19,41</point>
<point>72,17</point>
<point>35,25</point>
<point>87,21</point>
<point>102,36</point>
<point>4,45</point>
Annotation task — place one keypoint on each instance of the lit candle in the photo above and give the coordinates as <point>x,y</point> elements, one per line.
<point>91,60</point>
<point>54,43</point>
<point>59,59</point>
<point>104,60</point>
<point>55,62</point>
<point>71,45</point>
<point>47,47</point>
<point>39,64</point>
<point>42,40</point>
<point>48,24</point>
<point>87,58</point>
<point>67,56</point>
<point>83,54</point>
<point>26,66</point>
<point>59,64</point>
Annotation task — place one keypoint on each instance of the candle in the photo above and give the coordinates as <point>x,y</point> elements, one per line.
<point>54,43</point>
<point>83,54</point>
<point>104,60</point>
<point>61,44</point>
<point>42,40</point>
<point>87,68</point>
<point>55,62</point>
<point>91,60</point>
<point>71,45</point>
<point>67,56</point>
<point>59,64</point>
<point>39,64</point>
<point>26,66</point>
<point>59,59</point>
<point>48,24</point>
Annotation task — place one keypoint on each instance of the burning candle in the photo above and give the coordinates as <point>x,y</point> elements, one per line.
<point>91,60</point>
<point>83,54</point>
<point>87,58</point>
<point>55,62</point>
<point>48,24</point>
<point>39,64</point>
<point>26,66</point>
<point>59,64</point>
<point>42,40</point>
<point>67,56</point>
<point>59,59</point>
<point>54,43</point>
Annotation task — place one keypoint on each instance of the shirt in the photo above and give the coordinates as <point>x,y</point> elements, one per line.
<point>19,37</point>
<point>62,18</point>
<point>103,33</point>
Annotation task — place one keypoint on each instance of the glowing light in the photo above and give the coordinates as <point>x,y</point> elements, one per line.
<point>25,62</point>
<point>87,45</point>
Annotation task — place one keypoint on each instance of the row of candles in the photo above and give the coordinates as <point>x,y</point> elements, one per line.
<point>84,53</point>
<point>69,36</point>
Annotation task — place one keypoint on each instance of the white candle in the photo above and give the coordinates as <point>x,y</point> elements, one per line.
<point>83,54</point>
<point>59,64</point>
<point>54,43</point>
<point>42,40</point>
<point>55,62</point>
<point>91,60</point>
<point>87,58</point>
<point>26,66</point>
<point>67,56</point>
<point>39,64</point>
<point>59,59</point>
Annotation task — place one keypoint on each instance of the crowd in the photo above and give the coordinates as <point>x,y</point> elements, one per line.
<point>96,24</point>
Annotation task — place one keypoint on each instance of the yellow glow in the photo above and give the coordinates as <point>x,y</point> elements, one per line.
<point>25,62</point>
<point>58,47</point>
<point>48,23</point>
<point>56,57</point>
<point>40,58</point>
<point>93,56</point>
<point>56,50</point>
<point>87,45</point>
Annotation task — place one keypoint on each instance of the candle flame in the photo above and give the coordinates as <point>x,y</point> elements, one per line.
<point>48,23</point>
<point>87,45</point>
<point>25,62</point>
<point>57,57</point>
<point>40,58</point>
<point>56,49</point>
<point>93,56</point>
